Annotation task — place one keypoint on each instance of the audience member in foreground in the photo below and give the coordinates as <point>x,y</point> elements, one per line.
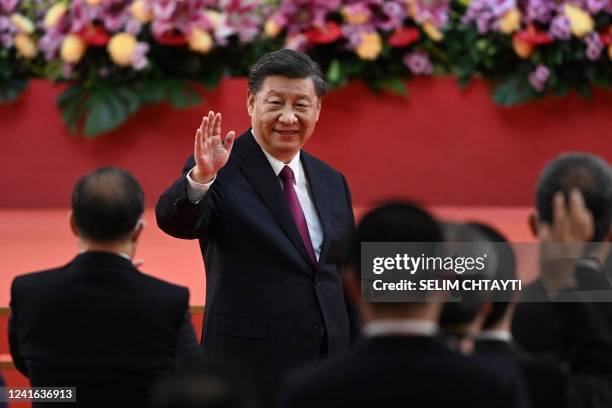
<point>97,323</point>
<point>206,382</point>
<point>400,362</point>
<point>485,326</point>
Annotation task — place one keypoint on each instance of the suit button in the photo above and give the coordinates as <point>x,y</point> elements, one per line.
<point>317,282</point>
<point>316,326</point>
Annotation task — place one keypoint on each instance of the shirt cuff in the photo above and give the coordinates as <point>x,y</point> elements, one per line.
<point>196,191</point>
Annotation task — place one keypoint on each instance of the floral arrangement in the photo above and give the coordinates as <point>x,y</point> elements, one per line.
<point>119,55</point>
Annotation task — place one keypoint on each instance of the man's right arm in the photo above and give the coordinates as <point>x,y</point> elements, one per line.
<point>185,210</point>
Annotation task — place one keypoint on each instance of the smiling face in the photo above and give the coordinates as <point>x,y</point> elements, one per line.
<point>283,114</point>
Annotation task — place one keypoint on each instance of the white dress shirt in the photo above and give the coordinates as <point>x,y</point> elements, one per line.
<point>401,327</point>
<point>498,335</point>
<point>196,191</point>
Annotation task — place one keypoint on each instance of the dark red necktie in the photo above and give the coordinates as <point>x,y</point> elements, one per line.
<point>288,179</point>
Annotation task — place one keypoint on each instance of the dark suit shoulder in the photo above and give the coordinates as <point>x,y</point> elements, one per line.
<point>320,165</point>
<point>399,371</point>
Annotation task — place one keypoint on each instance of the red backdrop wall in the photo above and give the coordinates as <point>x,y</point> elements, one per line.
<point>440,146</point>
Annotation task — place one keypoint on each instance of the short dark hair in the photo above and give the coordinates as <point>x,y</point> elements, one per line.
<point>506,269</point>
<point>590,174</point>
<point>395,221</point>
<point>287,63</point>
<point>107,204</point>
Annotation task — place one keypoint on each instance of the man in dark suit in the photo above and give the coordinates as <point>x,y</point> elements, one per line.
<point>400,362</point>
<point>271,220</point>
<point>97,323</point>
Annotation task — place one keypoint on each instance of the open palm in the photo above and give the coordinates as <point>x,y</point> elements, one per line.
<point>210,151</point>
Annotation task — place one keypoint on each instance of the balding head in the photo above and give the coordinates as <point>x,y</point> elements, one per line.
<point>106,205</point>
<point>586,172</point>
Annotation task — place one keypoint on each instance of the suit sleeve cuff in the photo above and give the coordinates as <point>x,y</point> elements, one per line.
<point>196,191</point>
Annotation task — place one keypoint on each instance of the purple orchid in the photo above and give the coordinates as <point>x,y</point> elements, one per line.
<point>418,63</point>
<point>539,77</point>
<point>486,13</point>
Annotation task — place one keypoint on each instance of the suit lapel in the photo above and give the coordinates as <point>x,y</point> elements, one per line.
<point>258,171</point>
<point>320,197</point>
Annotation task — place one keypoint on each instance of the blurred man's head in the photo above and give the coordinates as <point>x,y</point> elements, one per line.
<point>501,312</point>
<point>107,205</point>
<point>392,222</point>
<point>284,101</point>
<point>586,172</point>
<point>480,310</point>
<point>205,383</point>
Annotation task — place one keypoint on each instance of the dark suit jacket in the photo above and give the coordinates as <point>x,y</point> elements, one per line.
<point>403,372</point>
<point>546,378</point>
<point>2,404</point>
<point>266,304</point>
<point>99,324</point>
<point>574,333</point>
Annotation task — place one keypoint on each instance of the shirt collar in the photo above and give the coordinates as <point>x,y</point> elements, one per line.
<point>499,335</point>
<point>278,165</point>
<point>121,254</point>
<point>402,327</point>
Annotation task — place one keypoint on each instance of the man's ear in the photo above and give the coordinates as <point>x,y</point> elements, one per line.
<point>533,221</point>
<point>318,111</point>
<point>352,286</point>
<point>250,102</point>
<point>73,226</point>
<point>140,226</point>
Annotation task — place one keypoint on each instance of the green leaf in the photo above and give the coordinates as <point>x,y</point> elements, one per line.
<point>68,96</point>
<point>584,90</point>
<point>513,91</point>
<point>152,91</point>
<point>129,98</point>
<point>11,89</point>
<point>106,112</point>
<point>181,95</point>
<point>334,73</point>
<point>395,85</point>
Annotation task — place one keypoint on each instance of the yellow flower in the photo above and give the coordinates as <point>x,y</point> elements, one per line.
<point>22,23</point>
<point>370,46</point>
<point>54,14</point>
<point>610,51</point>
<point>581,22</point>
<point>93,2</point>
<point>72,49</point>
<point>432,31</point>
<point>140,12</point>
<point>271,28</point>
<point>214,17</point>
<point>510,21</point>
<point>25,45</point>
<point>200,40</point>
<point>411,9</point>
<point>121,47</point>
<point>354,18</point>
<point>522,48</point>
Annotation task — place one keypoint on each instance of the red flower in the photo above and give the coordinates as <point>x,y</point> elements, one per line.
<point>533,36</point>
<point>404,36</point>
<point>324,35</point>
<point>172,38</point>
<point>94,35</point>
<point>606,36</point>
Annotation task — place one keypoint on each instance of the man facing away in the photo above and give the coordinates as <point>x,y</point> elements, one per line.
<point>400,362</point>
<point>97,323</point>
<point>271,221</point>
